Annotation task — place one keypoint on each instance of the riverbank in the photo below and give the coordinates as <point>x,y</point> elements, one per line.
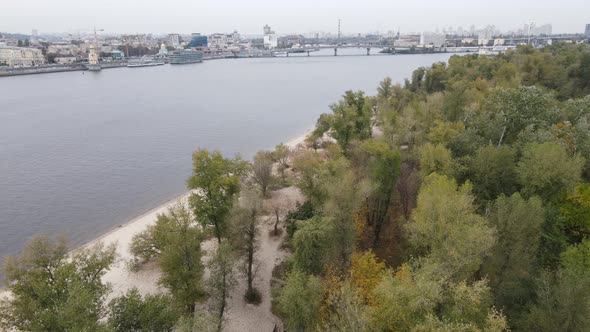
<point>145,280</point>
<point>48,69</point>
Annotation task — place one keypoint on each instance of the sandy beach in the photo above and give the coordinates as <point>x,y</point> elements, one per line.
<point>119,276</point>
<point>240,316</point>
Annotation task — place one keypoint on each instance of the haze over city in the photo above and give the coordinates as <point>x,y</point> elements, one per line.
<point>151,16</point>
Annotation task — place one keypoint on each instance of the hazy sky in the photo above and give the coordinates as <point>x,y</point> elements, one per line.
<point>248,16</point>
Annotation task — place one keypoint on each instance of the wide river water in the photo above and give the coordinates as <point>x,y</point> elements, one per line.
<point>81,153</point>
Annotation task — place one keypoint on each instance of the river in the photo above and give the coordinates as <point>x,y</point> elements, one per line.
<point>83,152</point>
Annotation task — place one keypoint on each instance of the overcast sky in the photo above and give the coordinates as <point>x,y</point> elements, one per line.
<point>285,16</point>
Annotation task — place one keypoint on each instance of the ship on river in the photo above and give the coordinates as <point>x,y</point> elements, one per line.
<point>144,62</point>
<point>185,56</point>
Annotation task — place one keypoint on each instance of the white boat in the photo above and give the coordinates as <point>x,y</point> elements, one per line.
<point>144,63</point>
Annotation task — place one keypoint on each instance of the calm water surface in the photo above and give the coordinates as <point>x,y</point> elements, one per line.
<point>82,153</point>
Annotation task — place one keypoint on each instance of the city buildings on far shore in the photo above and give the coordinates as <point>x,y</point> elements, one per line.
<point>20,50</point>
<point>432,39</point>
<point>270,38</point>
<point>21,56</point>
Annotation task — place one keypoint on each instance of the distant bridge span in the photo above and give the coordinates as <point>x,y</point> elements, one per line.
<point>308,50</point>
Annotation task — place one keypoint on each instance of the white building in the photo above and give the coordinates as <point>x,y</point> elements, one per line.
<point>21,56</point>
<point>173,40</point>
<point>499,42</point>
<point>217,41</point>
<point>270,38</point>
<point>486,35</point>
<point>235,37</point>
<point>65,60</point>
<point>163,52</point>
<point>34,36</point>
<point>432,39</point>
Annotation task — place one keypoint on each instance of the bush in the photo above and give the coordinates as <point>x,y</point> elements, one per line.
<point>253,296</point>
<point>302,212</point>
<point>132,312</point>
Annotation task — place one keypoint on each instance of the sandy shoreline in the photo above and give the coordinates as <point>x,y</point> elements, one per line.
<point>146,279</point>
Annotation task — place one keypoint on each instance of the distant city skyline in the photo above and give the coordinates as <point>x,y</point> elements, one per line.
<point>303,16</point>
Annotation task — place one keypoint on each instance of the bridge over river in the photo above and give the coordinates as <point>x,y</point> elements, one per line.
<point>391,49</point>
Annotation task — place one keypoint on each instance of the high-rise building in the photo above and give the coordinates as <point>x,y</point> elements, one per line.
<point>270,38</point>
<point>587,33</point>
<point>34,36</point>
<point>173,39</point>
<point>432,39</point>
<point>198,41</point>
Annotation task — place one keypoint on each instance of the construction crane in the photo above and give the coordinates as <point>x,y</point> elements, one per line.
<point>95,30</point>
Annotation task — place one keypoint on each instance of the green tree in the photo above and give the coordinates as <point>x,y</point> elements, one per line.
<point>348,313</point>
<point>435,158</point>
<point>576,211</point>
<point>350,120</point>
<point>546,170</point>
<point>435,77</point>
<point>281,155</point>
<point>345,195</point>
<point>150,243</point>
<point>217,182</point>
<point>56,291</point>
<point>457,96</point>
<point>563,297</point>
<point>310,166</point>
<point>445,230</point>
<point>445,132</point>
<point>382,166</point>
<point>199,322</point>
<point>246,221</point>
<point>419,301</point>
<point>221,281</point>
<point>299,301</point>
<point>180,259</point>
<point>507,112</point>
<point>510,266</point>
<point>493,172</point>
<point>312,245</point>
<point>132,312</point>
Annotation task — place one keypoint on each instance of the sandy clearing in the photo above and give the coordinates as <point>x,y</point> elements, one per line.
<point>240,316</point>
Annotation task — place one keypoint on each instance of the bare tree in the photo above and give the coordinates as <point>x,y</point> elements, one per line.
<point>246,234</point>
<point>277,207</point>
<point>262,170</point>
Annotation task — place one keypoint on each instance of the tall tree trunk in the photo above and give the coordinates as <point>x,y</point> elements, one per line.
<point>222,308</point>
<point>217,232</point>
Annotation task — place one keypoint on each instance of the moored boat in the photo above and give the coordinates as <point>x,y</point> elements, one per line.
<point>185,56</point>
<point>144,63</point>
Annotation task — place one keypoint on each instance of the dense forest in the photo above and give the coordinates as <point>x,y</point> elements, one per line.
<point>457,201</point>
